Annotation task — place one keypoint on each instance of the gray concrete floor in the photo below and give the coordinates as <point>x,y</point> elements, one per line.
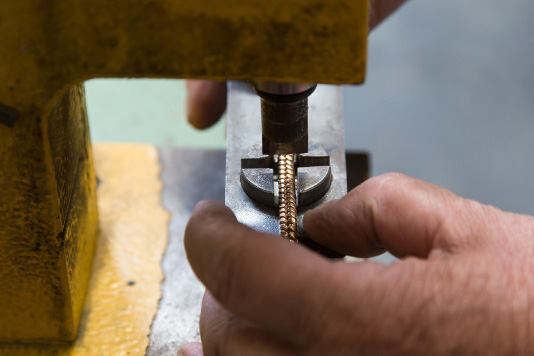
<point>449,99</point>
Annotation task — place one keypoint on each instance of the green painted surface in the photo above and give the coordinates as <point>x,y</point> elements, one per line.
<point>147,111</point>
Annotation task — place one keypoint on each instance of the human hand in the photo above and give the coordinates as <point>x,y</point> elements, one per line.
<point>464,284</point>
<point>206,99</point>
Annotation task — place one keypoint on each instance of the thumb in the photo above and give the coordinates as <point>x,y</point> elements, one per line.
<point>403,215</point>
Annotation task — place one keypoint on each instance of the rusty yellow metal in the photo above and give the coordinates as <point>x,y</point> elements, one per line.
<point>48,221</point>
<point>124,288</point>
<point>48,217</point>
<point>49,46</point>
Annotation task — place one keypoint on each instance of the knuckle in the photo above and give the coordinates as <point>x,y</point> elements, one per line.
<point>389,183</point>
<point>383,187</point>
<point>389,179</point>
<point>216,334</point>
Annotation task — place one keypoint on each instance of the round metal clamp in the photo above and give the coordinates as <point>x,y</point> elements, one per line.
<point>258,172</point>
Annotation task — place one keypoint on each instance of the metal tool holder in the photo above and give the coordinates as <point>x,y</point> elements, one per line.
<point>251,177</point>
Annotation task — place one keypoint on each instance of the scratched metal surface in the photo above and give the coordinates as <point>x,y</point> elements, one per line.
<point>188,176</point>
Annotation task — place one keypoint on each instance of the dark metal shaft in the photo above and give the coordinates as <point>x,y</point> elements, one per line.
<point>284,126</point>
<point>284,117</point>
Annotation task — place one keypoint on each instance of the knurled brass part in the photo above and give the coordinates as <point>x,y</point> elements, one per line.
<point>287,200</point>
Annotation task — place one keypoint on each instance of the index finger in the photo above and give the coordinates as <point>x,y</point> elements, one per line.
<point>206,102</point>
<point>280,285</point>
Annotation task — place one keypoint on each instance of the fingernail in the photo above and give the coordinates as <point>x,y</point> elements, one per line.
<point>321,208</point>
<point>313,218</point>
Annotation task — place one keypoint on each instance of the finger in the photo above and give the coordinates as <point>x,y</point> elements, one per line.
<point>402,215</point>
<point>206,102</point>
<point>191,349</point>
<point>380,9</point>
<point>225,334</point>
<point>261,277</point>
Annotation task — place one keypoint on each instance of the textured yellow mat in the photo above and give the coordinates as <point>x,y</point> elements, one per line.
<point>125,283</point>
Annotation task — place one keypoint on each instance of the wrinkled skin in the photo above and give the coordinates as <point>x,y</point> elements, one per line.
<point>464,283</point>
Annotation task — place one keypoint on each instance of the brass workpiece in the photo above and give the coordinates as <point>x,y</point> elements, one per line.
<point>287,200</point>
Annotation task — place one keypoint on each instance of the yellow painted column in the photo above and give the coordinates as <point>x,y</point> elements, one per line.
<point>48,221</point>
<point>125,283</point>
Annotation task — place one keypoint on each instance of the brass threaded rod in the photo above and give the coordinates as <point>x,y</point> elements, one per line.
<point>287,200</point>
